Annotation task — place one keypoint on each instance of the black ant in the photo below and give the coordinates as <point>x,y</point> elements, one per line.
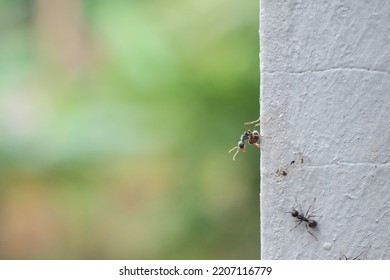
<point>281,172</point>
<point>305,218</point>
<point>251,136</point>
<point>355,258</point>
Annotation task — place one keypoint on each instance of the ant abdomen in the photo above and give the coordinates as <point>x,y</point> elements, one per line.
<point>312,223</point>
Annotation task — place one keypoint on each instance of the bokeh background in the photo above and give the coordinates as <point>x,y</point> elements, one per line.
<point>115,122</point>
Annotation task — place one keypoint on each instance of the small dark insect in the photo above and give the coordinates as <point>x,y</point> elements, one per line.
<point>281,172</point>
<point>310,223</point>
<point>251,136</point>
<point>291,163</point>
<point>344,257</point>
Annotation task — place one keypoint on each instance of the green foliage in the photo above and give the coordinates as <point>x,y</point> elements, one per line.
<point>127,157</point>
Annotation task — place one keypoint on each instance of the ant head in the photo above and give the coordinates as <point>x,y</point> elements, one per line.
<point>255,133</point>
<point>294,213</point>
<point>312,224</point>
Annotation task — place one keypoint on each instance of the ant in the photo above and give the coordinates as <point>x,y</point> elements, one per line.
<point>251,136</point>
<point>281,172</point>
<point>305,218</point>
<point>355,258</point>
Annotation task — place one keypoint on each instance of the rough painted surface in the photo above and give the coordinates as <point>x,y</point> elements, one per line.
<point>325,113</point>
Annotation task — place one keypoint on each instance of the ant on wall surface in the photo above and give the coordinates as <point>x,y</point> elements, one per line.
<point>281,172</point>
<point>355,258</point>
<point>310,223</point>
<point>251,136</point>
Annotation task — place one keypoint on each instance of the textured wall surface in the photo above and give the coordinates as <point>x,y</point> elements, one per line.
<point>325,113</point>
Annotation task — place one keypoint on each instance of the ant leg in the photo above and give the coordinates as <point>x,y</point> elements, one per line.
<point>238,149</point>
<point>344,256</point>
<point>356,258</point>
<point>296,225</point>
<point>362,253</point>
<point>297,205</point>
<point>310,233</point>
<point>312,205</point>
<point>256,122</point>
<point>256,144</point>
<point>300,208</point>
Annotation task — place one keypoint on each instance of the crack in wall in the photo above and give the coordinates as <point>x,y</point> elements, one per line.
<point>368,164</point>
<point>375,71</point>
<point>286,178</point>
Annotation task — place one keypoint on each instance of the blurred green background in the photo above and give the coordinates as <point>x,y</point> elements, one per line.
<point>115,122</point>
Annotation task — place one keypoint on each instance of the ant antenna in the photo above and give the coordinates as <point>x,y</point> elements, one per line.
<point>235,148</point>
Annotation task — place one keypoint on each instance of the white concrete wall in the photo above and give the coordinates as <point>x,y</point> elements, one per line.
<point>325,104</point>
